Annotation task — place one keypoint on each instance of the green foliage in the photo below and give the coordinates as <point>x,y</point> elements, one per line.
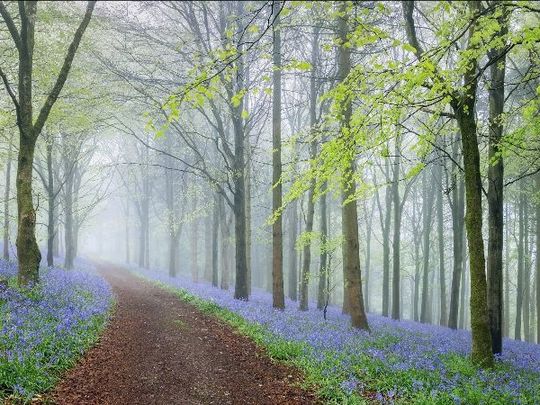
<point>389,90</point>
<point>301,65</point>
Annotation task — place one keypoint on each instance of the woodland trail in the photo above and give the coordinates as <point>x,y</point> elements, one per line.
<point>160,350</point>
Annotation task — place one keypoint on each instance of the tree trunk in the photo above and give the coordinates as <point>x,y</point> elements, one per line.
<point>142,243</point>
<point>225,237</point>
<point>173,244</point>
<point>464,288</point>
<point>369,229</point>
<point>440,235</point>
<point>386,244</point>
<point>323,270</point>
<point>51,206</point>
<point>215,247</point>
<point>293,257</point>
<point>304,282</point>
<point>28,252</point>
<point>521,264</point>
<point>458,214</point>
<point>6,201</point>
<point>417,237</point>
<point>396,247</point>
<point>526,274</point>
<point>416,281</point>
<point>76,213</point>
<point>495,190</point>
<point>427,208</point>
<point>349,214</point>
<point>207,252</point>
<point>506,306</point>
<point>278,296</point>
<point>69,169</point>
<point>171,226</point>
<point>481,335</point>
<point>538,262</point>
<point>194,249</point>
<point>241,288</point>
<point>146,212</point>
<point>431,298</point>
<point>128,255</point>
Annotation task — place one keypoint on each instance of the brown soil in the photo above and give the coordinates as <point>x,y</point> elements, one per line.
<point>160,350</point>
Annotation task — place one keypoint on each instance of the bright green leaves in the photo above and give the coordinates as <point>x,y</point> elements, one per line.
<point>301,65</point>
<point>237,98</point>
<point>408,47</point>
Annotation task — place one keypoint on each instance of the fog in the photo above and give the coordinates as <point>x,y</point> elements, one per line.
<point>380,158</point>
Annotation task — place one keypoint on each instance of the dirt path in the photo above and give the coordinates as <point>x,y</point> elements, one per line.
<point>160,350</point>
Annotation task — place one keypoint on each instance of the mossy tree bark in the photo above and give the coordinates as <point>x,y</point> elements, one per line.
<point>465,114</point>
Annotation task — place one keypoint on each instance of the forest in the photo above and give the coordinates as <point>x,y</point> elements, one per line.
<point>270,202</point>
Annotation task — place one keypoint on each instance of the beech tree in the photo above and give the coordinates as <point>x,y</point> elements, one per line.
<point>23,37</point>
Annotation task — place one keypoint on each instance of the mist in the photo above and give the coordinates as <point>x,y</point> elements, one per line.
<point>350,177</point>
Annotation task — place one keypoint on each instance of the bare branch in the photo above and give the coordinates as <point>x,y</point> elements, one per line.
<point>62,76</point>
<point>11,25</point>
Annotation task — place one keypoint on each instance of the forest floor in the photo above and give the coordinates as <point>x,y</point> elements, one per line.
<point>160,350</point>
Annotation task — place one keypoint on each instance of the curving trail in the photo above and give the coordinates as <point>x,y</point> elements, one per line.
<point>160,350</point>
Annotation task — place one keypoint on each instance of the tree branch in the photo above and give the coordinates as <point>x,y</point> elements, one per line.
<point>62,76</point>
<point>11,93</point>
<point>11,25</point>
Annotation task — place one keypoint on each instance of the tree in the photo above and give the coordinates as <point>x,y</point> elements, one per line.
<point>349,215</point>
<point>463,103</point>
<point>29,130</point>
<point>278,296</point>
<point>427,207</point>
<point>521,262</point>
<point>322,290</point>
<point>6,200</point>
<point>398,204</point>
<point>457,205</point>
<point>440,236</point>
<point>495,196</point>
<point>386,223</point>
<point>304,281</point>
<point>537,179</point>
